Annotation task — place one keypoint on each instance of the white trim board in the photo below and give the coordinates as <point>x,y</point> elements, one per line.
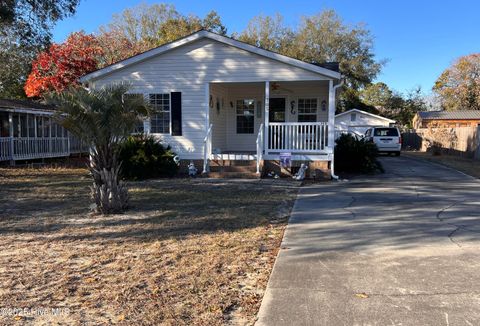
<point>216,37</point>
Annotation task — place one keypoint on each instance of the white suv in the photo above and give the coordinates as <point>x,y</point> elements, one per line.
<point>387,139</point>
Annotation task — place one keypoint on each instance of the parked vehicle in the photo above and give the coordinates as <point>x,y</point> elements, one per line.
<point>355,134</point>
<point>387,139</point>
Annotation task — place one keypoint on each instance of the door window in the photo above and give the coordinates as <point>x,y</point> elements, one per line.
<point>245,116</point>
<point>277,110</point>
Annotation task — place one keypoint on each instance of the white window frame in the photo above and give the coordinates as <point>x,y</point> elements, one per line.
<point>237,115</point>
<point>308,114</point>
<point>169,115</point>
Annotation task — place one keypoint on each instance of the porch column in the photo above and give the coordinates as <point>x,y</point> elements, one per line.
<point>206,144</point>
<point>267,110</point>
<point>35,125</point>
<point>10,125</point>
<point>35,141</point>
<point>331,116</point>
<point>207,106</point>
<point>50,135</point>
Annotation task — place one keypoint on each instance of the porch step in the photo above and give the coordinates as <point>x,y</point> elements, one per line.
<point>236,175</point>
<point>233,168</point>
<point>234,157</point>
<point>228,163</point>
<point>235,165</point>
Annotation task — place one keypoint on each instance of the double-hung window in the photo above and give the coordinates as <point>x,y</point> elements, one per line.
<point>245,110</point>
<point>307,110</point>
<point>160,119</point>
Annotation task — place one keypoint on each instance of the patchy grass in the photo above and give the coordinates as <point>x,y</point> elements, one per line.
<point>189,252</point>
<point>463,164</point>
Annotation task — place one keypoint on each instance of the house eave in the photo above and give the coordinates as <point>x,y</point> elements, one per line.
<point>27,110</point>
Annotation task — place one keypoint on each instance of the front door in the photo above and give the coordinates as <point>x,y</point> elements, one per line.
<point>277,109</point>
<point>276,114</point>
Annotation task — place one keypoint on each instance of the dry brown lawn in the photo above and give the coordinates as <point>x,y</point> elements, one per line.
<point>463,164</point>
<point>189,252</point>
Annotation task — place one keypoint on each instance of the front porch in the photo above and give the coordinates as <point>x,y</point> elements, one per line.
<point>259,121</point>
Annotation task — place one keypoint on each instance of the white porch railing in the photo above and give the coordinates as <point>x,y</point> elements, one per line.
<point>207,149</point>
<point>260,141</point>
<point>5,148</point>
<point>25,148</point>
<point>305,137</point>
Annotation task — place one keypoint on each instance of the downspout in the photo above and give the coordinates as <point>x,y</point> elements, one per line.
<point>332,171</point>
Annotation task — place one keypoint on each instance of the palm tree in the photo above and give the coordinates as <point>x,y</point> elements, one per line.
<point>103,119</point>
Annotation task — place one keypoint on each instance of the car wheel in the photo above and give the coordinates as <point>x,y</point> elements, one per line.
<point>397,153</point>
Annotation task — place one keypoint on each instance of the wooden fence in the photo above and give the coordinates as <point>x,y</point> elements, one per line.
<point>462,141</point>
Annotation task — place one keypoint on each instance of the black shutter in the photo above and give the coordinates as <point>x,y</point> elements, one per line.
<point>176,98</point>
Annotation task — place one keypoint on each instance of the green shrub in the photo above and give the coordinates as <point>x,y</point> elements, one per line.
<point>145,157</point>
<point>353,155</point>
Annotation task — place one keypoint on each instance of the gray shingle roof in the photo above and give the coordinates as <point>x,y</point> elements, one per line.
<point>24,104</point>
<point>450,115</point>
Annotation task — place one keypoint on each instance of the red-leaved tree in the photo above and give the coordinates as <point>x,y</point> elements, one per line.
<point>62,64</point>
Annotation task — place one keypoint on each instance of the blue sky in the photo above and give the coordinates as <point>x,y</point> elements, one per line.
<point>418,38</point>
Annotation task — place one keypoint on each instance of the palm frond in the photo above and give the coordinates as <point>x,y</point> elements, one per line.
<point>101,116</point>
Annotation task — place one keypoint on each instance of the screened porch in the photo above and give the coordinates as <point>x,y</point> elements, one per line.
<point>28,135</point>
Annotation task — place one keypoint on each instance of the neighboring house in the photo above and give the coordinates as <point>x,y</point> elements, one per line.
<point>216,98</point>
<point>425,119</point>
<point>27,132</point>
<point>359,121</point>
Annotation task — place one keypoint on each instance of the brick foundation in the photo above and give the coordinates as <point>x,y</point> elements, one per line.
<point>316,169</point>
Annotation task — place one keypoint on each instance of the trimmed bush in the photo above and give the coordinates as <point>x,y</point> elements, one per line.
<point>357,156</point>
<point>144,157</point>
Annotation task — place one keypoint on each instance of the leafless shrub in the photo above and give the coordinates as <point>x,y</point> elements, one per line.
<point>437,138</point>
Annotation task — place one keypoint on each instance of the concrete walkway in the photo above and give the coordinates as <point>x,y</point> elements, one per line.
<point>401,248</point>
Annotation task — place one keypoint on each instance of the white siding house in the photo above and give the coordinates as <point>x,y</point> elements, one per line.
<point>359,121</point>
<point>218,97</point>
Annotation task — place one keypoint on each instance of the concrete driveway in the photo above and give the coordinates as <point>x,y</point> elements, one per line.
<point>401,248</point>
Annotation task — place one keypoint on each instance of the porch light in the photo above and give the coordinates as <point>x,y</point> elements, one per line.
<point>292,107</point>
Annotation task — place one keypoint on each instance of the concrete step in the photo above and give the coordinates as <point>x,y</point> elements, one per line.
<point>236,175</point>
<point>233,168</point>
<point>234,156</point>
<point>229,163</point>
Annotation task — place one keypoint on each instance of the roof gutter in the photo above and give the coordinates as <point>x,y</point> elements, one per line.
<point>28,111</point>
<point>332,171</point>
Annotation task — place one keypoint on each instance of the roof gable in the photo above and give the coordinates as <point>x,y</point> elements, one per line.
<point>365,113</point>
<point>219,38</point>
